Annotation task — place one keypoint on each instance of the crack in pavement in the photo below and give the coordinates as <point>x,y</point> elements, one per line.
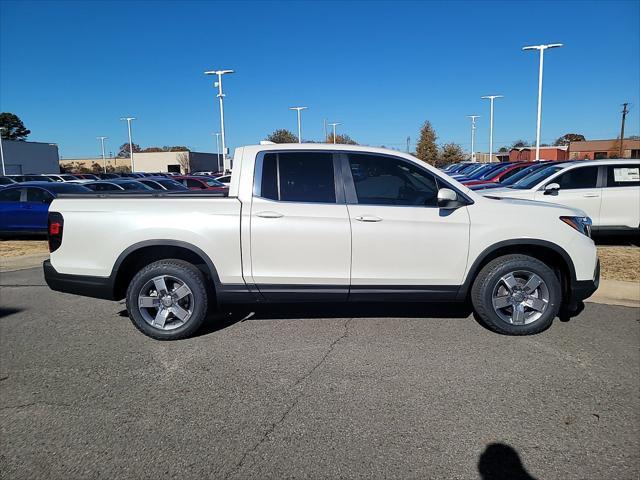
<point>293,404</point>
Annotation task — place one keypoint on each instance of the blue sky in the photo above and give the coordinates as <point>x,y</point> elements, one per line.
<point>70,70</point>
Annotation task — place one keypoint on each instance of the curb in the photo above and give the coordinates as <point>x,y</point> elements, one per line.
<point>13,264</point>
<point>616,292</point>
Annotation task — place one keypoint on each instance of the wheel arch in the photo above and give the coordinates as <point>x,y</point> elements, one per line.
<point>143,253</point>
<point>550,253</point>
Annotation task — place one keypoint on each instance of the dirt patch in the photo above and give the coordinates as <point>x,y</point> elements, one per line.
<point>19,248</point>
<point>620,263</point>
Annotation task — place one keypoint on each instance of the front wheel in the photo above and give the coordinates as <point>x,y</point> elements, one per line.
<point>167,299</point>
<point>516,295</point>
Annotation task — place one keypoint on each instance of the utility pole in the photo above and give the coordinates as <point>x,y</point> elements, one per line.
<point>473,136</point>
<point>299,121</point>
<point>625,110</point>
<point>104,161</point>
<point>334,125</point>
<point>491,98</point>
<point>408,141</point>
<point>218,85</point>
<point>325,130</point>
<point>2,151</point>
<point>128,120</point>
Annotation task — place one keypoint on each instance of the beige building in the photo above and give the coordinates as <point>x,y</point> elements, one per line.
<point>180,162</point>
<point>600,149</point>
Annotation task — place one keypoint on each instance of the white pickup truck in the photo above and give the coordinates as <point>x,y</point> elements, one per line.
<point>322,222</point>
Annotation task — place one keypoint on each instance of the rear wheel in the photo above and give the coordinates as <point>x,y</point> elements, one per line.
<point>516,295</point>
<point>167,299</point>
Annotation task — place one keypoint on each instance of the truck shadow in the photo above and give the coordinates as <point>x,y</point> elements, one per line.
<point>502,462</point>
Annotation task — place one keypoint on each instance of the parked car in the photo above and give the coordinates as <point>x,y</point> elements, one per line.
<point>107,176</point>
<point>607,190</point>
<point>118,185</point>
<point>4,181</point>
<point>24,206</point>
<point>202,183</point>
<point>298,225</point>
<point>161,183</point>
<point>530,170</point>
<point>62,177</point>
<point>30,178</point>
<point>505,171</point>
<point>86,176</point>
<point>209,173</point>
<point>225,180</point>
<point>478,172</point>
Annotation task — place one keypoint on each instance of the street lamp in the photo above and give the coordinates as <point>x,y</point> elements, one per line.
<point>334,130</point>
<point>473,135</point>
<point>299,109</point>
<point>491,98</point>
<point>541,48</point>
<point>104,161</point>
<point>217,134</point>
<point>2,151</point>
<point>220,95</point>
<point>128,119</point>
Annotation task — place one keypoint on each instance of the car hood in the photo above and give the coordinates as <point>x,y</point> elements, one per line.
<point>508,193</point>
<point>524,203</point>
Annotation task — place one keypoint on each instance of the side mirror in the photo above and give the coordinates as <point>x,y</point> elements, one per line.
<point>447,198</point>
<point>552,189</point>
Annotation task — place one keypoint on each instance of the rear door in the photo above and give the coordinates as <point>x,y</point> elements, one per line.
<point>621,196</point>
<point>300,233</point>
<point>10,218</point>
<point>402,243</point>
<point>579,188</point>
<point>35,209</point>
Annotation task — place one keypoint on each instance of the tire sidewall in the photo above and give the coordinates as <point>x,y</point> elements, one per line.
<point>186,273</point>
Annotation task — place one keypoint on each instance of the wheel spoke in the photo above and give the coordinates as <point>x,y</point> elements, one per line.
<point>501,302</point>
<point>536,303</point>
<point>181,292</point>
<point>161,318</point>
<point>518,314</point>
<point>148,302</point>
<point>510,281</point>
<point>160,284</point>
<point>179,312</point>
<point>533,283</point>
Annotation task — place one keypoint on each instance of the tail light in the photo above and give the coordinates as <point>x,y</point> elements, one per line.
<point>54,230</point>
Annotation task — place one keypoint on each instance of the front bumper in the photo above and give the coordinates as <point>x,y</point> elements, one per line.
<point>87,286</point>
<point>581,290</point>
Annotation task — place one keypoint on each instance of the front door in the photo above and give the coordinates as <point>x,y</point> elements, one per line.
<point>402,243</point>
<point>300,233</point>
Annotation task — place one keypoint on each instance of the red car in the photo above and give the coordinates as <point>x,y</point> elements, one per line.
<point>201,183</point>
<point>496,176</point>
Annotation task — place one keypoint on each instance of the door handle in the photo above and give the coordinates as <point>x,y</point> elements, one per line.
<point>591,195</point>
<point>269,215</point>
<point>368,218</point>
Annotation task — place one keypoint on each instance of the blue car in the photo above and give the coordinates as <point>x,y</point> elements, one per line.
<point>24,207</point>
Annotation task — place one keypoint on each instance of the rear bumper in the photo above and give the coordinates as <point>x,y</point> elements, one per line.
<point>581,290</point>
<point>87,286</point>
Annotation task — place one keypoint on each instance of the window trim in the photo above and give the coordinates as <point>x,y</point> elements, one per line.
<point>563,171</point>
<point>350,188</point>
<point>257,176</point>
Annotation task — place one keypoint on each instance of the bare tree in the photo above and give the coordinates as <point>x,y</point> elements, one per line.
<point>185,162</point>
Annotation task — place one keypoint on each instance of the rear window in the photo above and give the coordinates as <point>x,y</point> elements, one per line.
<point>12,195</point>
<point>623,175</point>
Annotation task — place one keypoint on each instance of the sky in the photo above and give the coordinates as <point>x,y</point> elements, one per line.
<point>70,70</point>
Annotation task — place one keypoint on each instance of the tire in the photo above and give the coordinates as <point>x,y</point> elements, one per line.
<point>503,297</point>
<point>167,299</point>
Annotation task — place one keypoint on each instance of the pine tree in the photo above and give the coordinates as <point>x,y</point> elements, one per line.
<point>426,149</point>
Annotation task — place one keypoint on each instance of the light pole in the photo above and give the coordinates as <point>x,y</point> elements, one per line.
<point>2,151</point>
<point>220,95</point>
<point>334,125</point>
<point>217,134</point>
<point>104,161</point>
<point>473,136</point>
<point>540,48</point>
<point>299,109</point>
<point>491,98</point>
<point>128,119</point>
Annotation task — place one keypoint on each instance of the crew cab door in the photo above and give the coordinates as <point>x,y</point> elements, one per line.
<point>578,189</point>
<point>35,209</point>
<point>402,243</point>
<point>300,233</point>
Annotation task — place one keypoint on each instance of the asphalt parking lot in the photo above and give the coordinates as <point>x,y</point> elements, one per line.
<point>313,392</point>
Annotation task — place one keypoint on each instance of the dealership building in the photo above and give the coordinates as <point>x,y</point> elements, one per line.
<point>599,149</point>
<point>29,157</point>
<point>179,162</point>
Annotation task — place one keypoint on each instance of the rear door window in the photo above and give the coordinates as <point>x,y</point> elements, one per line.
<point>623,175</point>
<point>194,183</point>
<point>38,195</point>
<point>12,195</point>
<point>581,177</point>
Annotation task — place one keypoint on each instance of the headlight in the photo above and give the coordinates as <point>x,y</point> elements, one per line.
<point>581,224</point>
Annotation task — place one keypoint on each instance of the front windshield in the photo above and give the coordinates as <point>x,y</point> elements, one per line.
<point>523,173</point>
<point>134,186</point>
<point>493,171</point>
<point>213,183</point>
<point>535,178</point>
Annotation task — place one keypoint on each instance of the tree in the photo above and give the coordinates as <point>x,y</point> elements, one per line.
<point>451,153</point>
<point>152,149</point>
<point>426,148</point>
<point>124,150</point>
<point>503,149</point>
<point>342,139</point>
<point>567,138</point>
<point>633,137</point>
<point>282,135</point>
<point>520,144</point>
<point>185,162</point>
<point>12,127</point>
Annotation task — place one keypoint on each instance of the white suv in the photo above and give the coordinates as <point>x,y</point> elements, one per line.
<point>607,190</point>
